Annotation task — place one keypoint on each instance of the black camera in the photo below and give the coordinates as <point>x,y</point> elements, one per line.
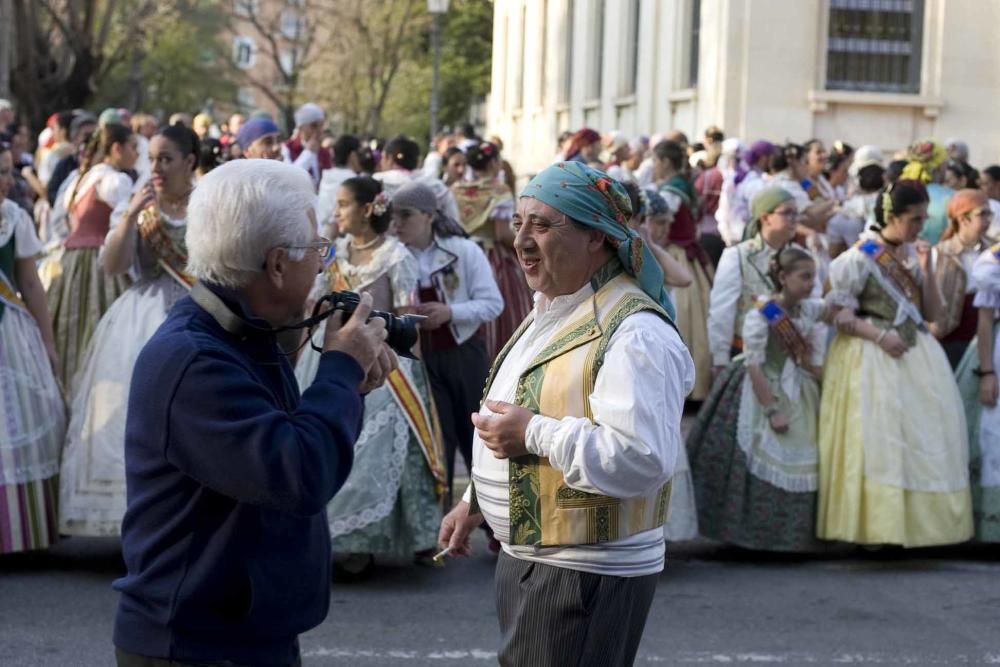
<point>402,329</point>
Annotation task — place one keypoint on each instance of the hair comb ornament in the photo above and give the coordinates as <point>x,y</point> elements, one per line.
<point>380,204</point>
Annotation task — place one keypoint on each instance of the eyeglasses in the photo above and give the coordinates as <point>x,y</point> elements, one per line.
<point>322,247</point>
<point>793,213</point>
<point>984,213</point>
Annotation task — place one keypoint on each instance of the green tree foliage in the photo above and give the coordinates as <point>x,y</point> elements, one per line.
<point>466,58</point>
<point>176,64</point>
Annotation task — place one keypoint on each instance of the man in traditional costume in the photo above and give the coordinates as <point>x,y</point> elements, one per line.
<point>578,437</point>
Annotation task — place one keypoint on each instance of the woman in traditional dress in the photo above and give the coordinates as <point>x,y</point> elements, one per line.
<point>760,490</point>
<point>893,442</point>
<point>82,293</point>
<point>745,276</point>
<point>32,414</point>
<point>486,207</point>
<point>682,244</point>
<point>969,218</point>
<point>388,507</point>
<point>147,239</point>
<point>977,380</point>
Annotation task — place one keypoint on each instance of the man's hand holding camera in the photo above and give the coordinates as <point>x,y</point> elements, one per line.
<point>364,340</point>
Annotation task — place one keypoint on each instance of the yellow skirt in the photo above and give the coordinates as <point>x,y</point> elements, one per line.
<point>906,413</point>
<point>691,304</point>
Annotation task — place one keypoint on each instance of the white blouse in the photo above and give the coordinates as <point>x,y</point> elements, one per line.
<point>628,449</point>
<point>14,220</point>
<point>849,273</point>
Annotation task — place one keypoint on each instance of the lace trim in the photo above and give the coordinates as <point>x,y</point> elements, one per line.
<point>769,445</point>
<point>394,470</point>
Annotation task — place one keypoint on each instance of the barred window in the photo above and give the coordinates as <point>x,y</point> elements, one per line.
<point>595,82</point>
<point>629,74</point>
<point>875,45</point>
<point>693,56</point>
<point>566,39</point>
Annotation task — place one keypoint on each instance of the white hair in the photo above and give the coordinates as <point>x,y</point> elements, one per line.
<point>239,212</point>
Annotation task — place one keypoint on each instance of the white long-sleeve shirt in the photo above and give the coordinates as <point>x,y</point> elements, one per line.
<point>628,450</point>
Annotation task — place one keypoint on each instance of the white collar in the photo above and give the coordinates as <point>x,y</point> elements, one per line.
<point>563,304</point>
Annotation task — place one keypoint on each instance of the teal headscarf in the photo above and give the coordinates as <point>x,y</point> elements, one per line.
<point>594,199</point>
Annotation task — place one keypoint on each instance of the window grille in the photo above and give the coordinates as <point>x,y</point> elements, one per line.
<point>630,44</point>
<point>875,45</point>
<point>695,43</point>
<point>566,82</point>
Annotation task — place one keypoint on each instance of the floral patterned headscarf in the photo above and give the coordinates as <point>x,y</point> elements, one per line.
<point>593,199</point>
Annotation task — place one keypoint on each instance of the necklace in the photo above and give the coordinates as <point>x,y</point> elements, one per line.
<point>175,203</point>
<point>365,246</point>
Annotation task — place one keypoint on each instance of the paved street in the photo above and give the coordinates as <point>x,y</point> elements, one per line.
<point>713,606</point>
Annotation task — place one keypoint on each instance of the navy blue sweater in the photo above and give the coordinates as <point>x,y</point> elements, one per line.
<point>229,472</point>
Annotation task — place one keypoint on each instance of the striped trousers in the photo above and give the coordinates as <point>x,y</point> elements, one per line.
<point>557,617</point>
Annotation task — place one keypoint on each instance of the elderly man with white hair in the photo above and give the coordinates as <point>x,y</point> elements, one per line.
<point>304,149</point>
<point>228,470</point>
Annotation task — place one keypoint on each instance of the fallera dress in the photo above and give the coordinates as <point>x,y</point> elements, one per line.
<point>756,488</point>
<point>92,483</point>
<point>691,302</point>
<point>389,504</point>
<point>32,413</point>
<point>81,292</point>
<point>983,421</point>
<point>893,442</point>
<point>481,204</point>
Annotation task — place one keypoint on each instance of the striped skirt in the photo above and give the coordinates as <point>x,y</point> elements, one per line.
<point>28,515</point>
<point>517,299</point>
<point>32,428</point>
<point>78,297</point>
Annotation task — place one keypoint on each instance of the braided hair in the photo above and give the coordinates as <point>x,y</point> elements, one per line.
<point>784,261</point>
<point>896,198</point>
<point>97,149</point>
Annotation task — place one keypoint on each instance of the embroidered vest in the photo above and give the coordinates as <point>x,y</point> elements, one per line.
<point>754,282</point>
<point>879,308</point>
<point>544,510</point>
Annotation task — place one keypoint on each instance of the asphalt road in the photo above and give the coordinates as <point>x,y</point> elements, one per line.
<point>713,606</point>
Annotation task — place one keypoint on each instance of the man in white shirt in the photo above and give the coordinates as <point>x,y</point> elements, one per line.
<point>304,149</point>
<point>577,440</point>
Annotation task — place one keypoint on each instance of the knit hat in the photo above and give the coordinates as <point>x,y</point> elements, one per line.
<point>421,197</point>
<point>415,195</point>
<point>764,202</point>
<point>254,129</point>
<point>309,113</point>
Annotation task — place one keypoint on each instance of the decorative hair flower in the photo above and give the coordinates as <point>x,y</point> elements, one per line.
<point>380,204</point>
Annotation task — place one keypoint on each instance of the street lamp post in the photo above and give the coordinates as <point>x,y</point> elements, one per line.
<point>436,8</point>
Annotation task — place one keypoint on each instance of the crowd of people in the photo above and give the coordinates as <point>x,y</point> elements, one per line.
<point>840,309</point>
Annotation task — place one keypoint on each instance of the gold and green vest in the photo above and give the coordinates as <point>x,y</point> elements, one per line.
<point>544,510</point>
